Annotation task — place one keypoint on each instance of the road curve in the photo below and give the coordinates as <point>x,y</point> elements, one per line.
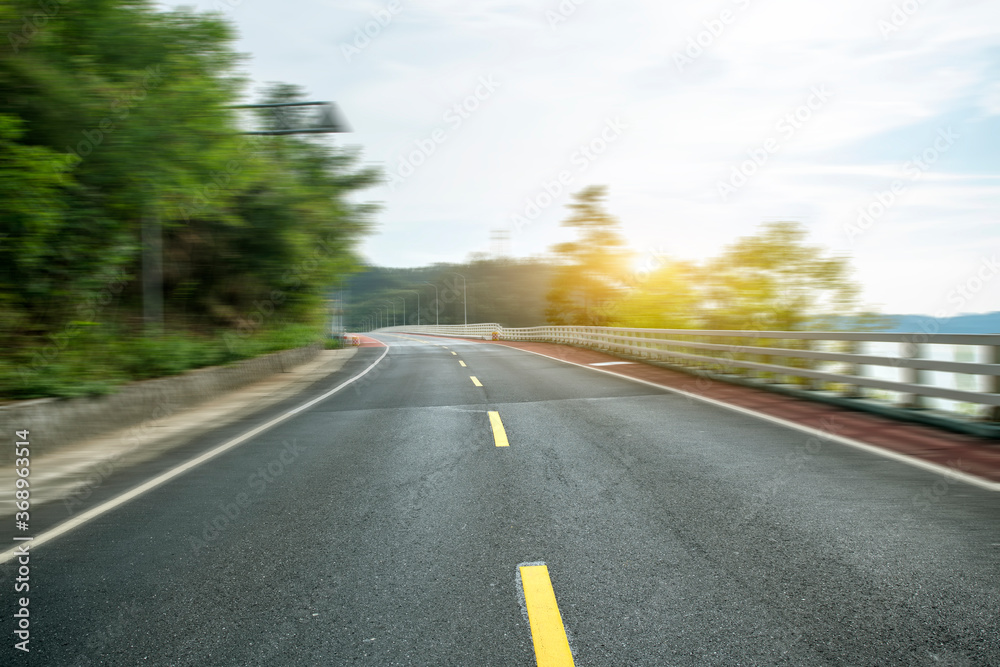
<point>390,524</point>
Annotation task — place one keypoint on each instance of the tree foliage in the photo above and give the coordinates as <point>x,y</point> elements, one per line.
<point>669,297</point>
<point>592,269</point>
<point>775,280</point>
<point>113,113</point>
<point>772,279</point>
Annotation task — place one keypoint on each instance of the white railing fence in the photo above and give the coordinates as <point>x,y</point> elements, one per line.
<point>916,371</point>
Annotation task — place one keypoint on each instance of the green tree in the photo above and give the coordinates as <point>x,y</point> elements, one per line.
<point>113,113</point>
<point>774,280</point>
<point>670,297</point>
<point>591,271</point>
<point>33,184</point>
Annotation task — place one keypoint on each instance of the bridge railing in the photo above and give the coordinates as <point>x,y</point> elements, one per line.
<point>908,371</point>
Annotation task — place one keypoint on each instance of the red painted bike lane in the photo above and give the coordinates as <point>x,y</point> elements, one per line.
<point>967,454</point>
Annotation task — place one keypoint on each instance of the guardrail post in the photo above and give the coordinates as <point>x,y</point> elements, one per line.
<point>993,382</point>
<point>809,345</point>
<point>852,390</point>
<point>913,376</point>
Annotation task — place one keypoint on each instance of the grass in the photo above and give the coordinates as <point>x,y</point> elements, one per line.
<point>97,359</point>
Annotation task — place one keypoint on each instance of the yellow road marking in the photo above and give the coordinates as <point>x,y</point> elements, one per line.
<point>455,353</point>
<point>475,381</point>
<point>547,631</point>
<point>499,434</point>
<point>462,363</point>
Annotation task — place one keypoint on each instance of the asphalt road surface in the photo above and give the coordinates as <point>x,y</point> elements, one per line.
<point>385,526</point>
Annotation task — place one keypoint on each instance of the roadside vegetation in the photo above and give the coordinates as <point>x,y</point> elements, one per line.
<point>771,279</point>
<point>117,117</point>
<point>114,114</point>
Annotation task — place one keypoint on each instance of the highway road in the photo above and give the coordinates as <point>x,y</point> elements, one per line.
<point>388,524</point>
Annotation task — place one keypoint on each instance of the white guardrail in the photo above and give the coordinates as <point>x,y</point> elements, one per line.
<point>910,371</point>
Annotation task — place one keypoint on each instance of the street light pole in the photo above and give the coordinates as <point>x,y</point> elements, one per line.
<point>437,304</point>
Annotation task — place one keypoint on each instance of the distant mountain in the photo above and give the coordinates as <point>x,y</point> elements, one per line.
<point>986,323</point>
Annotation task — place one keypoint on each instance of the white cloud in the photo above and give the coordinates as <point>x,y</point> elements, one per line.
<point>687,128</point>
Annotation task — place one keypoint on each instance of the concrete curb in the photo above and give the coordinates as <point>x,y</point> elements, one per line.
<point>56,423</point>
<point>73,472</point>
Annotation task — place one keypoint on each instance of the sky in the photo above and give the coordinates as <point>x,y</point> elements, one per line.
<point>875,124</point>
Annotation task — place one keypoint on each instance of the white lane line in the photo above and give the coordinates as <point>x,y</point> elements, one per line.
<point>165,477</point>
<point>823,435</point>
<point>610,363</point>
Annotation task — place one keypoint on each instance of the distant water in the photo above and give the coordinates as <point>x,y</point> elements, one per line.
<point>968,353</point>
<point>986,323</point>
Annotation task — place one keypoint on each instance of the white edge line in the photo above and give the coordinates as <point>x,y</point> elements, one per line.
<point>164,477</point>
<point>850,442</point>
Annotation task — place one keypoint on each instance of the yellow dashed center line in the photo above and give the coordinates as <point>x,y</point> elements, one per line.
<point>455,353</point>
<point>475,381</point>
<point>547,631</point>
<point>461,363</point>
<point>499,434</point>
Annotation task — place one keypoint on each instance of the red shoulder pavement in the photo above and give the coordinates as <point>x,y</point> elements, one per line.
<point>967,454</point>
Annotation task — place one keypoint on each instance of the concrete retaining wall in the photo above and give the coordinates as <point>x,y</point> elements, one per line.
<point>55,422</point>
